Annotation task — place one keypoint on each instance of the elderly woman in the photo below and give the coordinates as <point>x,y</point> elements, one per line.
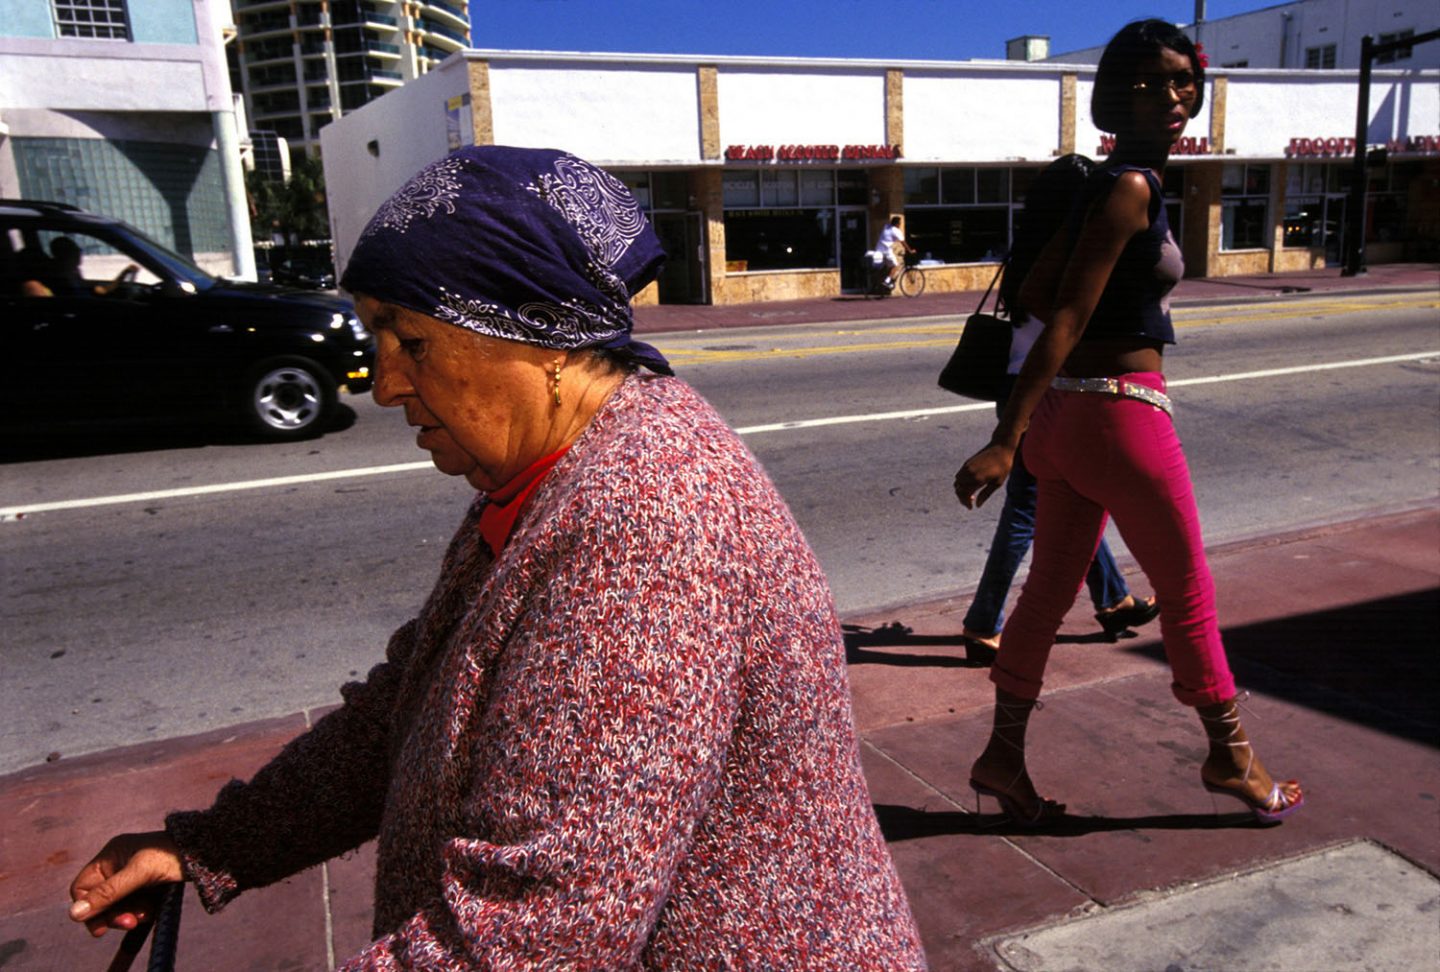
<point>618,734</point>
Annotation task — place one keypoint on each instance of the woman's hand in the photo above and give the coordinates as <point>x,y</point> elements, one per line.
<point>982,474</point>
<point>117,889</point>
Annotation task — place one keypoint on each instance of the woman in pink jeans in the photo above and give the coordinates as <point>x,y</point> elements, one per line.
<point>1090,401</point>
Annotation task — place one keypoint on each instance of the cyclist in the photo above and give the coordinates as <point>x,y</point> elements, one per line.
<point>892,247</point>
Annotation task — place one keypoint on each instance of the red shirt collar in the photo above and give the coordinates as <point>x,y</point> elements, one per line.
<point>505,505</point>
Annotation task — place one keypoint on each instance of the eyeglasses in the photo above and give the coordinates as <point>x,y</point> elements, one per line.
<point>1154,85</point>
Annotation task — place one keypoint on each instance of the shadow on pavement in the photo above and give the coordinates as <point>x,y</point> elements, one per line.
<point>859,640</point>
<point>1373,663</point>
<point>109,438</point>
<point>906,823</point>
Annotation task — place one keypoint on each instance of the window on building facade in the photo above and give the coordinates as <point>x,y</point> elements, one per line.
<point>1244,206</point>
<point>174,193</point>
<point>960,214</point>
<point>1306,222</point>
<point>1400,53</point>
<point>95,19</point>
<point>1320,57</point>
<point>1387,190</point>
<point>768,227</point>
<point>660,190</point>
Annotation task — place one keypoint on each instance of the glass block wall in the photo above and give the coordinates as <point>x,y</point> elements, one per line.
<point>172,192</point>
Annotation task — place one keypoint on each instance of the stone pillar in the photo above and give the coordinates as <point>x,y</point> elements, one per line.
<point>887,183</point>
<point>1277,215</point>
<point>1201,245</point>
<point>1219,92</point>
<point>482,116</point>
<point>1067,113</point>
<point>894,107</point>
<point>708,187</point>
<point>887,196</point>
<point>708,89</point>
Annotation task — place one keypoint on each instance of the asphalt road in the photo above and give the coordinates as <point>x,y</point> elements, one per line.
<point>130,621</point>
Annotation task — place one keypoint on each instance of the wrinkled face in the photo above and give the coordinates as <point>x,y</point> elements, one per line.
<point>480,403</point>
<point>1162,98</point>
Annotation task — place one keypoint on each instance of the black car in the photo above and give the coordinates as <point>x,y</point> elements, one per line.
<point>105,323</point>
<point>312,273</point>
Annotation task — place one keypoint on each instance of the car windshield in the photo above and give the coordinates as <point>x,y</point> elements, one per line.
<point>172,263</point>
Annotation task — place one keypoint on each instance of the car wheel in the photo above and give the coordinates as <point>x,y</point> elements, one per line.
<point>288,399</point>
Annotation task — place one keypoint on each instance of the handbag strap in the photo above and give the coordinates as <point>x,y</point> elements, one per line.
<point>993,281</point>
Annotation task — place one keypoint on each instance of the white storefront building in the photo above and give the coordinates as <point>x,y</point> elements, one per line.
<point>767,178</point>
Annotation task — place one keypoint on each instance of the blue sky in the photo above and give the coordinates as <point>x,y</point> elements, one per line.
<point>892,29</point>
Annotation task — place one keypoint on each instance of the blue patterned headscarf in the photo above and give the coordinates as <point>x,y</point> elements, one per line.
<point>530,245</point>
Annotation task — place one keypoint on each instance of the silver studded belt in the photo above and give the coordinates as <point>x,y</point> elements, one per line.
<point>1117,387</point>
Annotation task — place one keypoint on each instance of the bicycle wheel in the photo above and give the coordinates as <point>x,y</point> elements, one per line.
<point>912,282</point>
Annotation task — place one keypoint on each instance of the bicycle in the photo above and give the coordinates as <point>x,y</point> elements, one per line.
<point>910,282</point>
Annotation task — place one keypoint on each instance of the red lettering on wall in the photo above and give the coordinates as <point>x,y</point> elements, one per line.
<point>810,153</point>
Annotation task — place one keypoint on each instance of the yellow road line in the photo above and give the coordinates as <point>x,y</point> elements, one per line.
<point>946,334</point>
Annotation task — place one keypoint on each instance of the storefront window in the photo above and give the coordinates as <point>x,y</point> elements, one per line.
<point>639,185</point>
<point>817,187</point>
<point>657,190</point>
<point>970,235</point>
<point>742,189</point>
<point>922,187</point>
<point>786,218</point>
<point>1244,206</point>
<point>958,215</point>
<point>670,190</point>
<point>780,188</point>
<point>1385,202</point>
<point>780,239</point>
<point>852,187</point>
<point>1305,217</point>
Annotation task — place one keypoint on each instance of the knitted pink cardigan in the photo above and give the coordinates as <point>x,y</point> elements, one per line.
<point>625,744</point>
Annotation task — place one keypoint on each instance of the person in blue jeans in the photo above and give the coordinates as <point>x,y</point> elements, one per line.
<point>1115,607</point>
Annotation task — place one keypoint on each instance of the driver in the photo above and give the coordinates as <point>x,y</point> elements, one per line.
<point>64,277</point>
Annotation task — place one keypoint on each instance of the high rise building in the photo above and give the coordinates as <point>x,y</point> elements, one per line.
<point>303,63</point>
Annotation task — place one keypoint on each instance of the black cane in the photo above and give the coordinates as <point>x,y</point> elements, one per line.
<point>167,934</point>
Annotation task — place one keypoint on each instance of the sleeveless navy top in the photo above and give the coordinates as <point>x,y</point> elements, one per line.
<point>1136,300</point>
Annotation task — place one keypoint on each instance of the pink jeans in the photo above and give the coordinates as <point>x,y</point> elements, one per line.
<point>1092,453</point>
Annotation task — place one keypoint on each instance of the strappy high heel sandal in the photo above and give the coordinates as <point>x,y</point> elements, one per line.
<point>1278,804</point>
<point>1046,811</point>
<point>1119,620</point>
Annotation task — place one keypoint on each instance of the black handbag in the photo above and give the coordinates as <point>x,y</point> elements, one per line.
<point>977,366</point>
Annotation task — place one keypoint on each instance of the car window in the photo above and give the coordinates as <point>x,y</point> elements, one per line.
<point>100,261</point>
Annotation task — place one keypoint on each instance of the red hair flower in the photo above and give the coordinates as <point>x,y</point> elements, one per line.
<point>1200,55</point>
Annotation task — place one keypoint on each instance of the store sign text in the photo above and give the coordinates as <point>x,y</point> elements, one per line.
<point>1188,145</point>
<point>810,153</point>
<point>1313,148</point>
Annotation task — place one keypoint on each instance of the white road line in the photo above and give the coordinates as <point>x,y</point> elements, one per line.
<point>977,406</point>
<point>11,512</point>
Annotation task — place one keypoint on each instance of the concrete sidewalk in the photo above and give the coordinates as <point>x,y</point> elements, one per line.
<point>1333,630</point>
<point>656,318</point>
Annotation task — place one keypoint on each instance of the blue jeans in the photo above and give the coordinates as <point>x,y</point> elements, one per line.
<point>1013,534</point>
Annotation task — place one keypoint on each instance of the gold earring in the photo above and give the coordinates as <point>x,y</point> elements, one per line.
<point>558,362</point>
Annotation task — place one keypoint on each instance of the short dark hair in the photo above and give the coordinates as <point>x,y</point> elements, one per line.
<point>1111,101</point>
